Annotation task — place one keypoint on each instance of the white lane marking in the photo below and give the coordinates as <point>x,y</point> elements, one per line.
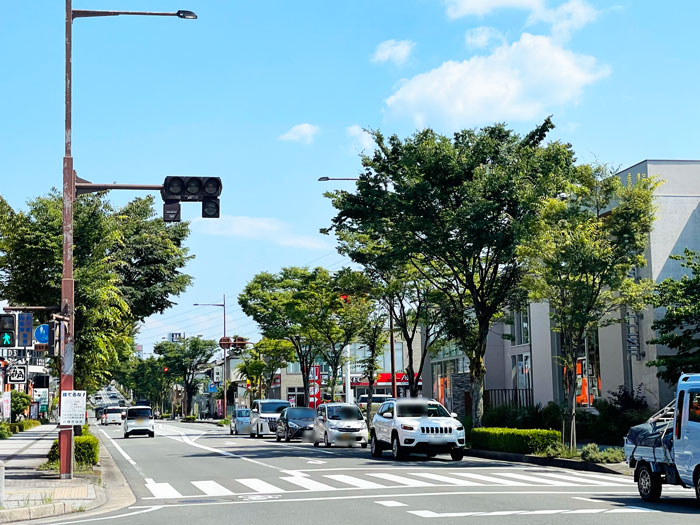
<point>307,483</point>
<point>199,436</point>
<point>577,479</point>
<point>431,514</point>
<point>212,488</point>
<point>539,481</point>
<point>162,490</point>
<point>491,479</point>
<point>425,513</point>
<point>585,511</point>
<point>445,479</point>
<point>295,473</point>
<point>630,510</point>
<point>607,477</point>
<point>302,447</point>
<point>414,467</point>
<point>589,499</point>
<point>355,482</point>
<point>143,510</point>
<point>119,449</point>
<point>391,503</point>
<point>400,479</point>
<point>232,443</point>
<point>260,486</point>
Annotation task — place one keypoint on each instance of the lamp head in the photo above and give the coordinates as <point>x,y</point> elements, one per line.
<point>188,15</point>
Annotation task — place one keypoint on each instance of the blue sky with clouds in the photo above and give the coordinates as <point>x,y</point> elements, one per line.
<point>269,96</point>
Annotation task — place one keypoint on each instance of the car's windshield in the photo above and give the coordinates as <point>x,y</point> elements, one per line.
<point>114,410</point>
<point>376,398</point>
<point>243,413</point>
<point>344,412</point>
<point>300,413</point>
<point>272,406</point>
<point>138,412</point>
<point>421,410</point>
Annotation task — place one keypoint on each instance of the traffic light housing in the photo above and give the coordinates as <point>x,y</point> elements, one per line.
<point>166,369</point>
<point>54,338</point>
<point>7,330</point>
<point>178,189</point>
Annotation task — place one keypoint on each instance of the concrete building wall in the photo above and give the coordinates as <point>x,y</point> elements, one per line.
<point>542,360</point>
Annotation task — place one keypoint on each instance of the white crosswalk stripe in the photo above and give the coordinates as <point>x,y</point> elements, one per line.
<point>162,490</point>
<point>445,479</point>
<point>537,480</point>
<point>578,479</point>
<point>307,483</point>
<point>401,480</point>
<point>491,479</point>
<point>212,488</point>
<point>258,485</point>
<point>355,482</point>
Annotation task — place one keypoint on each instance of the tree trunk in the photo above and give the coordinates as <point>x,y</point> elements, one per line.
<point>477,391</point>
<point>370,393</point>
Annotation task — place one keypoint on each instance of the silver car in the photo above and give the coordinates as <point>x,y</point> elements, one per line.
<point>240,421</point>
<point>339,424</point>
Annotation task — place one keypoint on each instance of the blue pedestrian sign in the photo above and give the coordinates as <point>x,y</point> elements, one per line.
<point>41,334</point>
<point>25,324</point>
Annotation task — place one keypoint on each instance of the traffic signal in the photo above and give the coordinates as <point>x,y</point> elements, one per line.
<point>7,330</point>
<point>166,369</point>
<point>191,189</point>
<point>54,338</point>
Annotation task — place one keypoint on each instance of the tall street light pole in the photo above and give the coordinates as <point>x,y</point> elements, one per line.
<point>65,434</point>
<point>226,350</point>
<point>392,352</point>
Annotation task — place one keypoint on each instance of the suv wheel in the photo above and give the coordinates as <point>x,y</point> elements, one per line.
<point>397,451</point>
<point>126,435</point>
<point>457,454</point>
<point>648,483</point>
<point>374,447</point>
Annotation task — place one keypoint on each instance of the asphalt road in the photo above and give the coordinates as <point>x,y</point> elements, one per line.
<point>194,473</point>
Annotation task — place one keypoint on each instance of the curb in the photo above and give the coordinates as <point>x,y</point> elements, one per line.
<point>32,513</point>
<point>538,460</point>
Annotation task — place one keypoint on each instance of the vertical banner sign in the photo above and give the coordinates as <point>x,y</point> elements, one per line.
<point>315,386</point>
<point>73,403</point>
<point>6,405</point>
<point>43,394</point>
<point>34,411</point>
<point>292,400</point>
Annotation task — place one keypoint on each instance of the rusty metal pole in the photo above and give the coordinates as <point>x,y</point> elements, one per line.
<point>392,351</point>
<point>226,350</point>
<point>65,433</point>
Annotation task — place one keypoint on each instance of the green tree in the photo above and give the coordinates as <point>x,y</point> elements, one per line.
<point>373,336</point>
<point>590,238</point>
<point>127,266</point>
<point>185,359</point>
<point>150,381</point>
<point>19,403</point>
<point>456,210</point>
<point>276,354</point>
<point>679,326</point>
<point>270,299</point>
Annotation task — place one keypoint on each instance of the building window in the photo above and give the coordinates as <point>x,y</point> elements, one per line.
<point>521,328</point>
<point>295,395</point>
<point>520,371</point>
<point>293,368</point>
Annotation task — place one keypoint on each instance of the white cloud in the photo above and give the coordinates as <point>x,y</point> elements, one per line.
<point>566,18</point>
<point>264,228</point>
<point>518,81</point>
<point>301,133</point>
<point>483,36</point>
<point>460,8</point>
<point>396,51</point>
<point>362,141</point>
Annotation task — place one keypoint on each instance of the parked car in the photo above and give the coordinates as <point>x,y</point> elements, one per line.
<point>377,400</point>
<point>666,449</point>
<point>339,424</point>
<point>264,416</point>
<point>240,421</point>
<point>112,415</point>
<point>409,425</point>
<point>295,423</point>
<point>139,420</point>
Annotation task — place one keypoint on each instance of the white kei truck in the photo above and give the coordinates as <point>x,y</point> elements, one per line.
<point>666,449</point>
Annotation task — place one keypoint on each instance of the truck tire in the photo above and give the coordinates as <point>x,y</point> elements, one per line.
<point>648,483</point>
<point>697,488</point>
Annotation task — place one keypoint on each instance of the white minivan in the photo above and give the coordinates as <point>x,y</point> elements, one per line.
<point>112,415</point>
<point>139,420</point>
<point>339,424</point>
<point>264,416</point>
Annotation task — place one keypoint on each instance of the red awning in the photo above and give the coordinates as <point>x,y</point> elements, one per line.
<point>384,379</point>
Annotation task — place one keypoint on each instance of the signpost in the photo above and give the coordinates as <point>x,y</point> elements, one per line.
<point>315,386</point>
<point>17,375</point>
<point>73,403</point>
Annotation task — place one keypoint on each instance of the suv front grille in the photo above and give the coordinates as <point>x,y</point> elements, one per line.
<point>436,430</point>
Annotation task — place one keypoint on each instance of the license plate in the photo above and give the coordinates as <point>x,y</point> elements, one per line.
<point>140,421</point>
<point>345,436</point>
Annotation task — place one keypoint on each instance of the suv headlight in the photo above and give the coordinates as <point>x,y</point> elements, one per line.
<point>407,427</point>
<point>292,424</point>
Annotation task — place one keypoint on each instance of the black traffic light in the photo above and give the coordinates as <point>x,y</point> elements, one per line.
<point>7,330</point>
<point>190,189</point>
<point>54,338</point>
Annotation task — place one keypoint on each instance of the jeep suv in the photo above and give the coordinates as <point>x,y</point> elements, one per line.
<point>418,425</point>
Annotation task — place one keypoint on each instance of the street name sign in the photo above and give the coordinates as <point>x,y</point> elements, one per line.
<point>17,375</point>
<point>73,403</point>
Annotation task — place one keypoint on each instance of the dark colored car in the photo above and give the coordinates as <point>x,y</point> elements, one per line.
<point>294,423</point>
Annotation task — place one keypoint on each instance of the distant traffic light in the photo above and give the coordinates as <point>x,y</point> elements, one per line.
<point>166,369</point>
<point>7,330</point>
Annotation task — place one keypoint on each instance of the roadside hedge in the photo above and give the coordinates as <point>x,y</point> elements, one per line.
<point>515,440</point>
<point>189,419</point>
<point>87,450</point>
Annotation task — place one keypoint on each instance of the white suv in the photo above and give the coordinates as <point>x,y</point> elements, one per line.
<point>139,420</point>
<point>416,425</point>
<point>264,416</point>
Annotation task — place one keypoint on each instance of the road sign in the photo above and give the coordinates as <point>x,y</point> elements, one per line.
<point>225,342</point>
<point>7,330</point>
<point>73,407</point>
<point>17,375</point>
<point>41,334</point>
<point>6,404</point>
<point>25,323</point>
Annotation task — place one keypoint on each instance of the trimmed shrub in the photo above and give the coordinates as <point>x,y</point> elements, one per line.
<point>15,428</point>
<point>86,430</point>
<point>189,419</point>
<point>27,424</point>
<point>166,415</point>
<point>5,432</point>
<point>515,440</point>
<point>535,416</point>
<point>87,450</point>
<point>593,454</point>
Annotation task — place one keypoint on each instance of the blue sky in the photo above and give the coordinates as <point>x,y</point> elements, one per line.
<point>269,96</point>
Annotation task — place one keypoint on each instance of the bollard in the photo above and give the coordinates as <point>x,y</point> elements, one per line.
<point>2,483</point>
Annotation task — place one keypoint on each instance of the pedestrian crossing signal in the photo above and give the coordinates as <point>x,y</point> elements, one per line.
<point>7,330</point>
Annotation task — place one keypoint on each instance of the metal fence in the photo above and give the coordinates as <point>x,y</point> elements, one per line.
<point>511,397</point>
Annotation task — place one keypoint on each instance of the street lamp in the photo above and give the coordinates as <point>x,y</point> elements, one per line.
<point>65,434</point>
<point>391,318</point>
<point>222,343</point>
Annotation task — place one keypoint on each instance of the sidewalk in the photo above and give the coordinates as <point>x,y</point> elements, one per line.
<point>31,493</point>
